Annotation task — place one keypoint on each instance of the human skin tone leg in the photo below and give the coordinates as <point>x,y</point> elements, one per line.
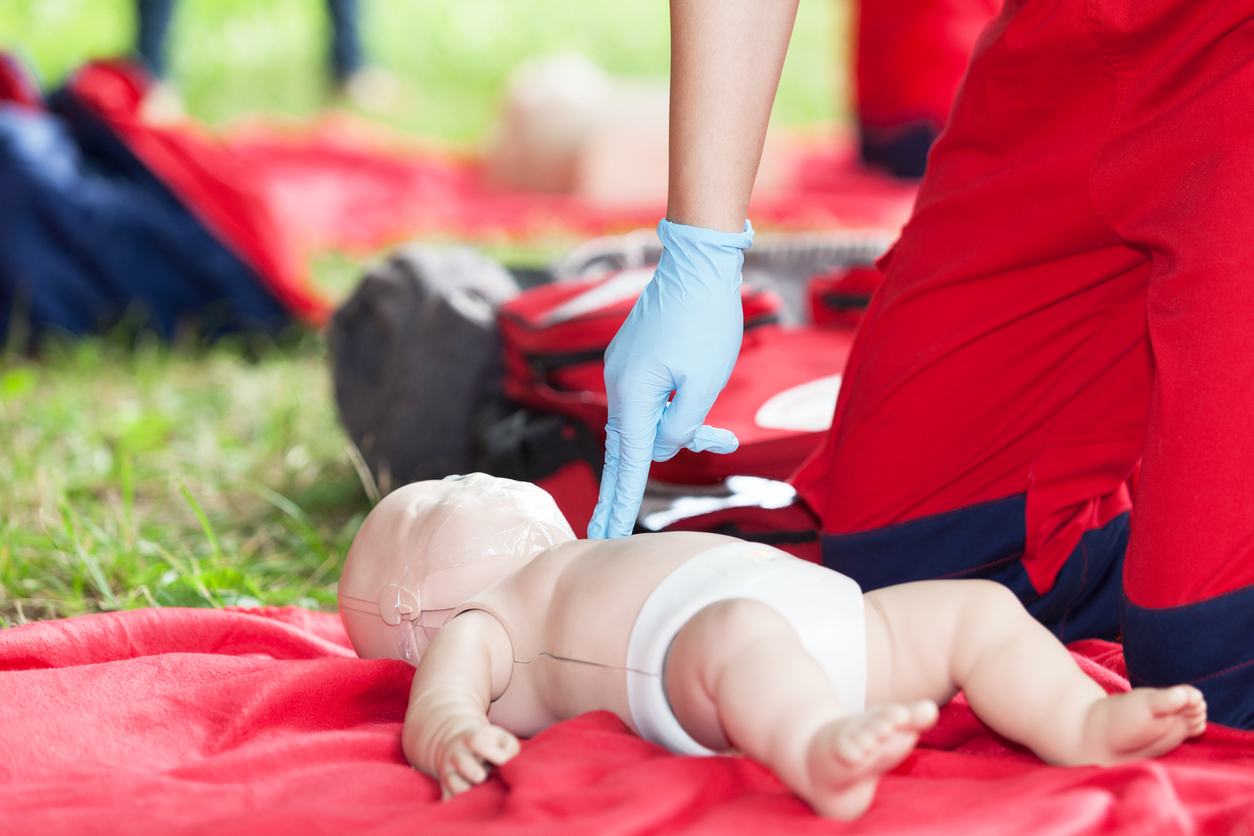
<point>726,59</point>
<point>928,639</point>
<point>447,733</point>
<point>737,675</point>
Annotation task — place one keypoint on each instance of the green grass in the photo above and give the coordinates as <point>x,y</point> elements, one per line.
<point>232,57</point>
<point>171,475</point>
<point>138,474</point>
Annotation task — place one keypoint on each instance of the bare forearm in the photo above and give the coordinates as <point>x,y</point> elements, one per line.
<point>726,58</point>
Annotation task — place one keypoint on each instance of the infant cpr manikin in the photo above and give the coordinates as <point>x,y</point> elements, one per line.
<point>704,643</point>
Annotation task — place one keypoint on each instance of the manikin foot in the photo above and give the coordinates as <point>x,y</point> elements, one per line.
<point>847,757</point>
<point>1142,723</point>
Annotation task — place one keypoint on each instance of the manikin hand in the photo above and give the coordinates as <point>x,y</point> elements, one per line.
<point>465,757</point>
<point>682,336</point>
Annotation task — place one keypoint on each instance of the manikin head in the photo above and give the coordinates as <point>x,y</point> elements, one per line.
<point>431,546</point>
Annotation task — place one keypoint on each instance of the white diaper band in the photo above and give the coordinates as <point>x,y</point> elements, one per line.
<point>823,606</point>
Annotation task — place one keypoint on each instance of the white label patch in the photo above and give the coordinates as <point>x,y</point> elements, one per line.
<point>627,284</point>
<point>804,408</point>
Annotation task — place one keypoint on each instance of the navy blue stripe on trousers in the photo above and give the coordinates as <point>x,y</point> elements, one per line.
<point>1209,644</point>
<point>987,541</point>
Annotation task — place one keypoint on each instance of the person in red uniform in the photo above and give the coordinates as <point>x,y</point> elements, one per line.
<point>910,56</point>
<point>1069,305</point>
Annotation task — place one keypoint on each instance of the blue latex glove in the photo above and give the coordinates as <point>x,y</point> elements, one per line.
<point>683,335</point>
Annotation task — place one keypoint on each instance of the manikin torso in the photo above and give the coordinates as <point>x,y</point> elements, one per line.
<point>569,614</point>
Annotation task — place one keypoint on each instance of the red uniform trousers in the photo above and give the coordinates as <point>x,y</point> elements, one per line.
<point>1074,295</point>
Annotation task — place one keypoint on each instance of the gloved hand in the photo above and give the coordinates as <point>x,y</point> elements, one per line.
<point>683,335</point>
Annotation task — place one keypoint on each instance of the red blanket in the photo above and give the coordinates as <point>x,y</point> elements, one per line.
<point>263,721</point>
<point>343,183</point>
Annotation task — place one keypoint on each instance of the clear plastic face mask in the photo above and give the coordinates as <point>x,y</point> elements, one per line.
<point>465,533</point>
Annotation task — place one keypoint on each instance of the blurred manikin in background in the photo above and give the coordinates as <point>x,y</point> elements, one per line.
<point>704,643</point>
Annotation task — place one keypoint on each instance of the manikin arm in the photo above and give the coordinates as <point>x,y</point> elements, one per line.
<point>447,734</point>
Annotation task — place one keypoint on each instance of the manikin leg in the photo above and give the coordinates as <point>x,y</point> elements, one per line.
<point>931,638</point>
<point>737,675</point>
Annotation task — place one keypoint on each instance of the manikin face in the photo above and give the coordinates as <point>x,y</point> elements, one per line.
<point>431,546</point>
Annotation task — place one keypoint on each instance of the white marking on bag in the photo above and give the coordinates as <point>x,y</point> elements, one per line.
<point>804,408</point>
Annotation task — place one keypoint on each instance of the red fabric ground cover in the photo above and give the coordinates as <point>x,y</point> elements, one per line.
<point>342,183</point>
<point>263,721</point>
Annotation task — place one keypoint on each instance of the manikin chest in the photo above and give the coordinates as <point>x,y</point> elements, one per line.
<point>569,615</point>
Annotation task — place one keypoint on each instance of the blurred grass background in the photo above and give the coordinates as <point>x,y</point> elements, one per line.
<point>134,473</point>
<point>452,56</point>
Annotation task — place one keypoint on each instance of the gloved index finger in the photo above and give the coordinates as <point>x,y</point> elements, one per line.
<point>628,452</point>
<point>632,476</point>
<point>598,526</point>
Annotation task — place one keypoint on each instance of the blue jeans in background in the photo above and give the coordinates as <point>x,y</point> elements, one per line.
<point>346,54</point>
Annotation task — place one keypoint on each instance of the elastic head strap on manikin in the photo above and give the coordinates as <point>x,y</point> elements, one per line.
<point>429,547</point>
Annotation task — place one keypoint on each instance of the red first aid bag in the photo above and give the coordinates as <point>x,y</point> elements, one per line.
<point>779,400</point>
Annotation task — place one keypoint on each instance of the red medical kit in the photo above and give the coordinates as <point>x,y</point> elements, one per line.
<point>778,402</point>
